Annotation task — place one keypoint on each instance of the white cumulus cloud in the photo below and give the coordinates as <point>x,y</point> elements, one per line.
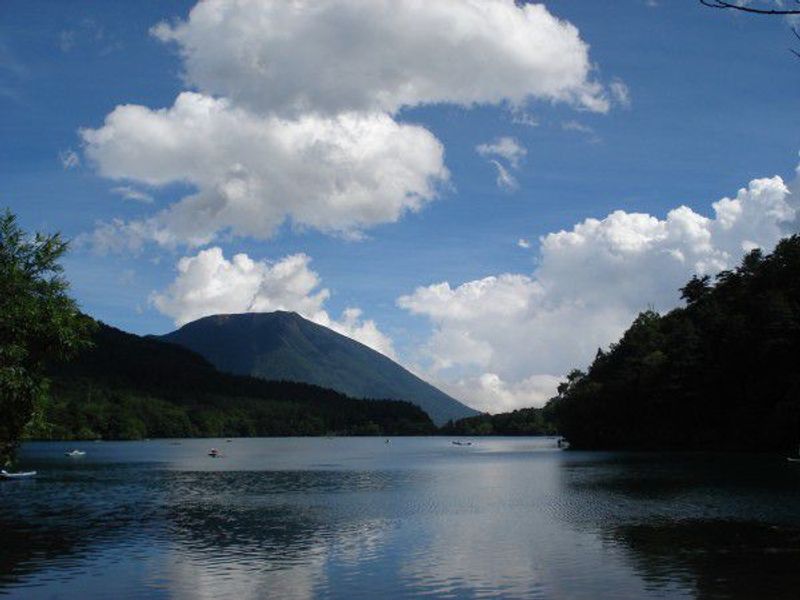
<point>292,115</point>
<point>339,174</point>
<point>503,341</point>
<point>208,283</point>
<point>331,56</point>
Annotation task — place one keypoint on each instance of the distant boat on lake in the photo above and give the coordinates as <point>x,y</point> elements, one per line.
<point>460,443</point>
<point>21,475</point>
<point>214,453</point>
<point>75,453</point>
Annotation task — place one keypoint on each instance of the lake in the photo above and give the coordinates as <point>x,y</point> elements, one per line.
<point>360,518</point>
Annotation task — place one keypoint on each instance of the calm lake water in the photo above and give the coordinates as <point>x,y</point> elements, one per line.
<point>359,518</point>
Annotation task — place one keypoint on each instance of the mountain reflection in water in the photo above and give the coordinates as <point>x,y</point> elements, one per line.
<point>349,518</point>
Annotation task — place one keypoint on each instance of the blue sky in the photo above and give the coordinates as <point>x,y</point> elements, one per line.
<point>712,106</point>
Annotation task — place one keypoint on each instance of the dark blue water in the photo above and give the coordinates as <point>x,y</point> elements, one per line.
<point>359,518</point>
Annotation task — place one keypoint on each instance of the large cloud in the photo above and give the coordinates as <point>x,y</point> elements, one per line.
<point>208,284</point>
<point>293,110</point>
<point>504,341</point>
<point>331,56</point>
<point>338,174</point>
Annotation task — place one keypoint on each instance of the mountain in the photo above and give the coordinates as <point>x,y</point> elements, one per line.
<point>131,387</point>
<point>285,346</point>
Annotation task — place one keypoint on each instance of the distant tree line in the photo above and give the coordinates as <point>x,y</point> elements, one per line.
<point>721,373</point>
<point>525,421</point>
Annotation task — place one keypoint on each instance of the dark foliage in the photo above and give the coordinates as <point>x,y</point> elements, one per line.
<point>525,421</point>
<point>721,373</point>
<point>39,323</point>
<point>130,387</point>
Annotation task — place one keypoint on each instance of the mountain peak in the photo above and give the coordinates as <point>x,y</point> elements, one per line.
<point>283,345</point>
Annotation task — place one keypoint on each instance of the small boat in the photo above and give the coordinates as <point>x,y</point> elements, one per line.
<point>460,443</point>
<point>794,458</point>
<point>75,453</point>
<point>562,443</point>
<point>214,453</point>
<point>21,475</point>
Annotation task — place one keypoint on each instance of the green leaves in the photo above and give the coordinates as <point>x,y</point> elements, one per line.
<point>39,323</point>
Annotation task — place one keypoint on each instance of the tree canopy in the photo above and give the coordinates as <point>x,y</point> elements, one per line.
<point>39,323</point>
<point>720,373</point>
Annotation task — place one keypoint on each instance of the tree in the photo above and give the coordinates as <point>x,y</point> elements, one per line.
<point>39,323</point>
<point>695,289</point>
<point>742,7</point>
<point>718,374</point>
<point>739,5</point>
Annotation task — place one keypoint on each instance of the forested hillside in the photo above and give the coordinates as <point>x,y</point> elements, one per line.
<point>130,387</point>
<point>721,373</point>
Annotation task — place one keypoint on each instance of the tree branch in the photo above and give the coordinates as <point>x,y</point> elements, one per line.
<point>756,11</point>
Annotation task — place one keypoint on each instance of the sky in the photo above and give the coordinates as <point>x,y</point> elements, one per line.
<point>485,191</point>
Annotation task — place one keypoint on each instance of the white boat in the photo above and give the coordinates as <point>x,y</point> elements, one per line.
<point>794,458</point>
<point>75,453</point>
<point>21,475</point>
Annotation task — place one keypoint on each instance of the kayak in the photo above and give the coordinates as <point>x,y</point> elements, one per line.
<point>22,475</point>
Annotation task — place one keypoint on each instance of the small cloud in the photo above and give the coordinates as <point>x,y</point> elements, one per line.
<point>579,127</point>
<point>508,149</point>
<point>69,159</point>
<point>621,93</point>
<point>129,193</point>
<point>504,147</point>
<point>523,243</point>
<point>521,117</point>
<point>88,33</point>
<point>576,126</point>
<point>505,180</point>
<point>66,40</point>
